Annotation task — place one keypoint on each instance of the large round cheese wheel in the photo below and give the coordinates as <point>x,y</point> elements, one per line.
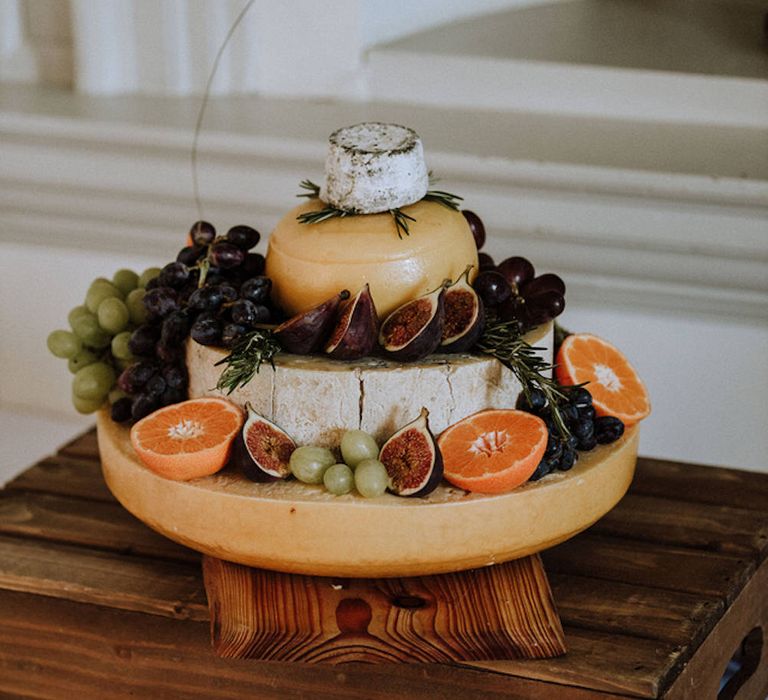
<point>315,399</point>
<point>309,263</point>
<point>298,528</point>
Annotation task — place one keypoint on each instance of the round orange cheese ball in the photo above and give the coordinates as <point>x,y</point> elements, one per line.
<point>309,263</point>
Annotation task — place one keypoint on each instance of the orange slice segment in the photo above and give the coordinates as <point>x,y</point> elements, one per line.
<point>492,451</point>
<point>616,388</point>
<point>187,440</point>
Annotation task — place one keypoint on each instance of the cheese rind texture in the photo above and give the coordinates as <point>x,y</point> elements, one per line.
<point>315,399</point>
<point>309,263</point>
<point>374,167</point>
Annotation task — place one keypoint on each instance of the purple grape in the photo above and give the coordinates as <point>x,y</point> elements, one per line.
<point>120,411</point>
<point>202,233</point>
<point>169,352</point>
<point>253,264</point>
<point>231,333</point>
<point>135,376</point>
<point>173,395</point>
<point>608,429</point>
<point>263,314</point>
<point>176,376</point>
<point>160,302</point>
<point>543,283</point>
<point>476,226</point>
<point>256,289</point>
<point>206,331</point>
<point>543,307</point>
<point>190,254</point>
<point>143,339</point>
<point>174,274</point>
<point>243,312</point>
<point>513,309</point>
<point>244,237</point>
<point>175,328</point>
<point>492,288</point>
<point>517,271</point>
<point>226,255</point>
<point>229,292</point>
<point>485,262</point>
<point>143,405</point>
<point>206,299</point>
<point>155,386</point>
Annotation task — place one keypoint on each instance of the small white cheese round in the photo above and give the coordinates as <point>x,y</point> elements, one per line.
<point>374,167</point>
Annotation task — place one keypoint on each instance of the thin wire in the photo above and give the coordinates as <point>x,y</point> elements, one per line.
<point>204,104</point>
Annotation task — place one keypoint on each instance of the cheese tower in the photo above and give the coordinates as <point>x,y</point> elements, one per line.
<point>371,170</point>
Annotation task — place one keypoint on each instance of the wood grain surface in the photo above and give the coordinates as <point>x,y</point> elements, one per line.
<point>94,604</point>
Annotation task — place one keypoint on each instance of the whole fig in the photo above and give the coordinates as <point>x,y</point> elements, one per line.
<point>305,332</point>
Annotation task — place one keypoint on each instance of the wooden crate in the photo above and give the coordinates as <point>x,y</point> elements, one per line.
<point>655,599</point>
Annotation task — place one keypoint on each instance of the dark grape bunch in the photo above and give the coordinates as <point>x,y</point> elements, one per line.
<point>214,292</point>
<point>511,290</point>
<point>586,429</point>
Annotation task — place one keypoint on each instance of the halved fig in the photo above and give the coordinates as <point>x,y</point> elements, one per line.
<point>262,450</point>
<point>464,316</point>
<point>413,330</point>
<point>412,458</point>
<point>354,335</point>
<point>305,332</point>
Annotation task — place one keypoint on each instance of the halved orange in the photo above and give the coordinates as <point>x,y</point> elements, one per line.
<point>187,440</point>
<point>616,388</point>
<point>492,451</point>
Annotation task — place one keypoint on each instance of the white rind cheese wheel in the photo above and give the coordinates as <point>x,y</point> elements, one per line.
<point>315,399</point>
<point>374,167</point>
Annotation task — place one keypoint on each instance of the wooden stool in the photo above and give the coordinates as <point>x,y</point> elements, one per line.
<point>499,612</point>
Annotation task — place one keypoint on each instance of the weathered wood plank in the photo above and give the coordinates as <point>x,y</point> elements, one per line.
<point>96,524</point>
<point>58,649</point>
<point>101,578</point>
<point>604,662</point>
<point>701,484</point>
<point>620,608</point>
<point>66,476</point>
<point>710,528</point>
<point>651,565</point>
<point>83,446</point>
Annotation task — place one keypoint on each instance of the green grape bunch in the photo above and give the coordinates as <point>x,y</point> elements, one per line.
<point>96,345</point>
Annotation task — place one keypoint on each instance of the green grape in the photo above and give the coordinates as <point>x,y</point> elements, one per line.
<point>371,478</point>
<point>357,445</point>
<point>93,381</point>
<point>339,479</point>
<point>77,312</point>
<point>87,328</point>
<point>125,281</point>
<point>113,315</point>
<point>98,292</point>
<point>308,463</point>
<point>86,405</point>
<point>135,303</point>
<point>115,394</point>
<point>148,274</point>
<point>120,348</point>
<point>82,359</point>
<point>64,344</point>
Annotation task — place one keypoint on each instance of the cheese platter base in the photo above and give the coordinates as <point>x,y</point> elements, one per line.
<point>498,612</point>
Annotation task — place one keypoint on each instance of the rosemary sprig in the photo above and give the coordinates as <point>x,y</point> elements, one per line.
<point>400,217</point>
<point>245,359</point>
<point>504,340</point>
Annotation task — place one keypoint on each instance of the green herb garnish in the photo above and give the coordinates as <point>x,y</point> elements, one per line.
<point>504,340</point>
<point>400,217</point>
<point>245,359</point>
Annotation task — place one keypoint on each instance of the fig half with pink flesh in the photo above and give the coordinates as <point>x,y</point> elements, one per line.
<point>354,335</point>
<point>305,332</point>
<point>413,330</point>
<point>412,458</point>
<point>464,316</point>
<point>262,450</point>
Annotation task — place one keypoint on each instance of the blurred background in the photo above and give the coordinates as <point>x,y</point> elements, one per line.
<point>620,143</point>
